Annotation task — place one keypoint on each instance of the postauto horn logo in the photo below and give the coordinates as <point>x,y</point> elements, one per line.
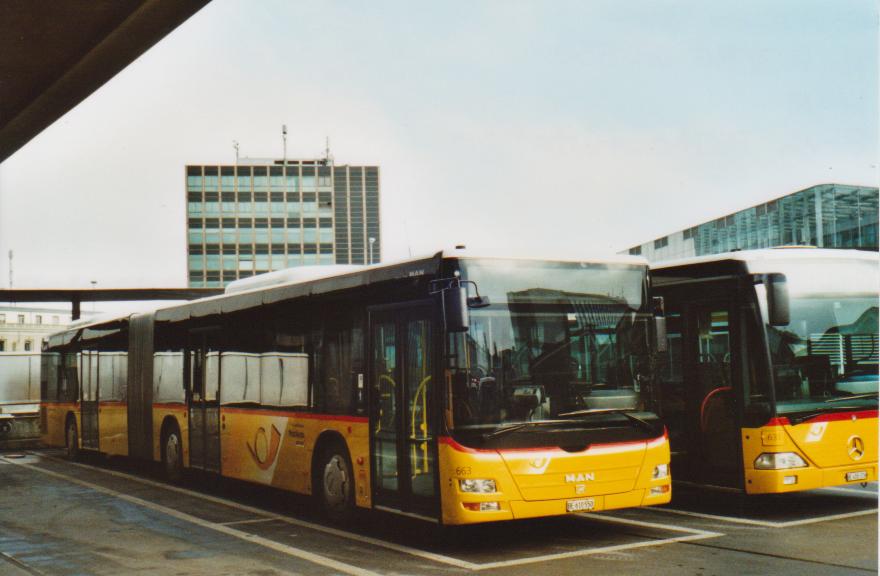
<point>265,450</point>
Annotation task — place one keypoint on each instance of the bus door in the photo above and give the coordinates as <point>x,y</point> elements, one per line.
<point>203,404</point>
<point>403,447</point>
<point>89,400</point>
<point>712,373</point>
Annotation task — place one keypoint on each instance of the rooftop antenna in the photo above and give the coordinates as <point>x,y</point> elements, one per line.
<point>327,157</point>
<point>284,137</point>
<point>235,145</point>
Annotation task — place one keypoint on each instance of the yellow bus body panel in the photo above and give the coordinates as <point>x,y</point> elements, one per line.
<point>113,428</point>
<point>54,416</point>
<point>824,444</point>
<point>275,448</point>
<point>539,482</point>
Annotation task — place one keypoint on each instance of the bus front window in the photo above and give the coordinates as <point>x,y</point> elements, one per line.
<point>556,339</point>
<point>826,357</point>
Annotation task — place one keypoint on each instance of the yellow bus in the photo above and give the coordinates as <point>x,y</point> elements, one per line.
<point>456,389</point>
<point>770,382</point>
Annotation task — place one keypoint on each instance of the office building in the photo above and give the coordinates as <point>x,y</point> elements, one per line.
<point>828,215</point>
<point>263,215</point>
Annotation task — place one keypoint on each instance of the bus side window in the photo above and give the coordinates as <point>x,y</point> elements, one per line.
<point>339,360</point>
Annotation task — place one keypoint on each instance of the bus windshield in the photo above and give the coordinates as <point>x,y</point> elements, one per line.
<point>826,357</point>
<point>558,340</point>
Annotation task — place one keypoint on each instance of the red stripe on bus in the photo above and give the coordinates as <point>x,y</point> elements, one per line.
<point>460,448</point>
<point>832,417</point>
<point>60,404</point>
<point>180,406</point>
<point>302,415</point>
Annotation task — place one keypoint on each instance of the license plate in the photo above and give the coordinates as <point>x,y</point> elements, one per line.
<point>853,476</point>
<point>581,505</point>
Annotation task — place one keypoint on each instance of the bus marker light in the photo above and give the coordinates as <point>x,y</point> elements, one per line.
<point>789,480</point>
<point>660,471</point>
<point>482,506</point>
<point>658,490</point>
<point>360,460</point>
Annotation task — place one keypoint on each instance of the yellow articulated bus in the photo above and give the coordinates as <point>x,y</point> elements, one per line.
<point>770,384</point>
<point>456,389</point>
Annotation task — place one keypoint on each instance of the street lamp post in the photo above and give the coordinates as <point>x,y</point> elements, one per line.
<point>372,241</point>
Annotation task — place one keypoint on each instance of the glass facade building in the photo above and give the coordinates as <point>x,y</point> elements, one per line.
<point>259,216</point>
<point>826,216</point>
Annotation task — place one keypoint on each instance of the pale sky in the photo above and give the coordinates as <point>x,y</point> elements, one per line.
<point>545,126</point>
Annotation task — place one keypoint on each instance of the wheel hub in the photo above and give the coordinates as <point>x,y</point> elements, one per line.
<point>335,481</point>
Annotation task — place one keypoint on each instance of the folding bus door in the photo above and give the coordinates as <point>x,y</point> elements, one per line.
<point>401,416</point>
<point>89,403</point>
<point>203,405</point>
<point>712,375</point>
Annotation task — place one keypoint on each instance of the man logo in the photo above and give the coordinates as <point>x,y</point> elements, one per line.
<point>264,451</point>
<point>855,447</point>
<point>586,477</point>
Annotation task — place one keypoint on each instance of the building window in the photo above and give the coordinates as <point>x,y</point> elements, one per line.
<point>635,251</point>
<point>661,242</point>
<point>2,345</point>
<point>27,345</point>
<point>21,318</point>
<point>38,319</point>
<point>2,318</point>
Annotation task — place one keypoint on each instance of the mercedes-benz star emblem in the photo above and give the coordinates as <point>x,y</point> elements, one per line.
<point>855,447</point>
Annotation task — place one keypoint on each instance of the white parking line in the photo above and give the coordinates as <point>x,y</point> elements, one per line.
<point>693,533</point>
<point>247,537</point>
<point>860,492</point>
<point>440,558</point>
<point>766,523</point>
<point>250,521</point>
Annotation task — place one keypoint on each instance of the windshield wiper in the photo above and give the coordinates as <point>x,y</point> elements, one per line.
<point>519,426</point>
<point>628,413</point>
<point>809,415</point>
<point>853,397</point>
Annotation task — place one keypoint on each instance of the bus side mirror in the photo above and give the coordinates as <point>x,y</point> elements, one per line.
<point>455,309</point>
<point>777,300</point>
<point>661,344</point>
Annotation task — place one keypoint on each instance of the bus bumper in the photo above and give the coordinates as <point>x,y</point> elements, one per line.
<point>810,478</point>
<point>520,509</point>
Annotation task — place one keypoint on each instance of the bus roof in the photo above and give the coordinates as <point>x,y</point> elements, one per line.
<point>763,255</point>
<point>283,285</point>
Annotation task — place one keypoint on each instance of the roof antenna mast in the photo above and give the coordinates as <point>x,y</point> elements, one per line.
<point>284,137</point>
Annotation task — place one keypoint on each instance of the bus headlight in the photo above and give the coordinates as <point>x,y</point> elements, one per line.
<point>476,485</point>
<point>660,471</point>
<point>779,461</point>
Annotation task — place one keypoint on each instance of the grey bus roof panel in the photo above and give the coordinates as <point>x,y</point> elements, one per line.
<point>754,258</point>
<point>268,295</point>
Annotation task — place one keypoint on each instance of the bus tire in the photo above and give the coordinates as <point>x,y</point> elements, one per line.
<point>71,439</point>
<point>172,454</point>
<point>335,483</point>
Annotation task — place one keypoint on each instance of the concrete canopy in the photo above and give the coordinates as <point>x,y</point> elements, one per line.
<point>55,53</point>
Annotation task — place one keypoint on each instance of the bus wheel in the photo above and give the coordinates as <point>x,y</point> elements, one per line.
<point>72,440</point>
<point>335,487</point>
<point>171,456</point>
